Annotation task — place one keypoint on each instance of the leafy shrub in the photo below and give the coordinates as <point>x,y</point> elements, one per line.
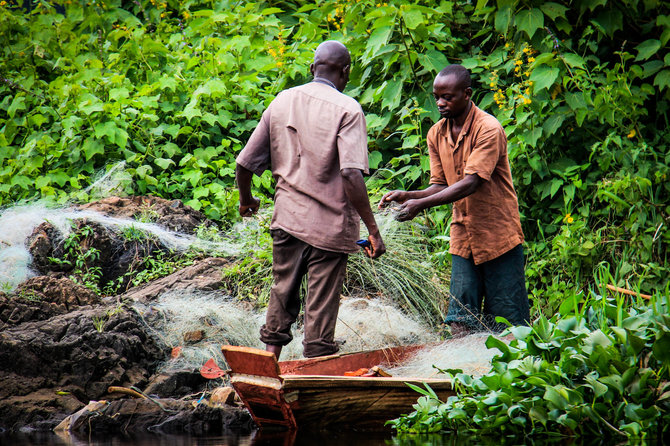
<point>596,368</point>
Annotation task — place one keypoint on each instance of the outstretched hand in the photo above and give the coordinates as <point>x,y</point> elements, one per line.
<point>247,210</point>
<point>399,196</point>
<point>408,210</point>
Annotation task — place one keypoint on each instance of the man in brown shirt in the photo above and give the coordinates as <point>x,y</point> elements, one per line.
<point>314,140</point>
<point>469,167</point>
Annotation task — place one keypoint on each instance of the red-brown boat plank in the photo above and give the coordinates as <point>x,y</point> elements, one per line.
<point>347,362</point>
<point>251,361</point>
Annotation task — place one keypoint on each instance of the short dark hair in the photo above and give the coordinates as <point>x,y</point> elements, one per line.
<point>461,73</point>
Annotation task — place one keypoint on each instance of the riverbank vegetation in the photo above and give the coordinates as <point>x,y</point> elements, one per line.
<point>166,93</point>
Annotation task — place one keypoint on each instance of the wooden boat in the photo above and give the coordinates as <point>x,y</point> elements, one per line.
<point>314,393</point>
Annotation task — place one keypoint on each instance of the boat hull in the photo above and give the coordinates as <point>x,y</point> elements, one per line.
<point>312,394</point>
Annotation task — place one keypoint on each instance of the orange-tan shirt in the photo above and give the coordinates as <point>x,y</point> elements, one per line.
<point>306,136</point>
<point>485,224</point>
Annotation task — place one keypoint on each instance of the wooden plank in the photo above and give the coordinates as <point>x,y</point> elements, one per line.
<point>362,408</point>
<point>251,361</point>
<point>326,382</point>
<point>348,362</point>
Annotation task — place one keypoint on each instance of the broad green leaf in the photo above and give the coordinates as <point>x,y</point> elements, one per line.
<point>271,11</point>
<point>661,348</point>
<point>662,79</point>
<point>556,184</point>
<point>543,77</point>
<point>553,123</point>
<point>653,66</point>
<point>378,39</point>
<point>647,49</point>
<point>609,21</point>
<point>553,10</point>
<point>529,21</point>
<point>17,104</point>
<point>118,93</point>
<point>374,158</point>
<point>412,17</point>
<point>573,60</point>
<point>533,136</point>
<point>433,60</point>
<point>22,181</point>
<point>391,96</point>
<point>164,163</point>
<point>503,18</point>
<point>93,147</point>
<point>613,381</point>
<point>190,111</point>
<point>90,104</point>
<point>554,395</point>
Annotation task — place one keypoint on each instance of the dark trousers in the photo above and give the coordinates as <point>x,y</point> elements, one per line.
<point>291,260</point>
<point>481,292</point>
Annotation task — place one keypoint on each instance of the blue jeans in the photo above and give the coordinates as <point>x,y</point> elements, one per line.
<point>481,292</point>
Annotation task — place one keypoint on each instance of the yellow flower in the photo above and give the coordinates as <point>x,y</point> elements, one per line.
<point>519,62</point>
<point>507,45</point>
<point>527,101</point>
<point>527,91</point>
<point>3,3</point>
<point>631,134</point>
<point>281,50</point>
<point>527,73</point>
<point>186,15</point>
<point>272,52</point>
<point>568,218</point>
<point>492,84</point>
<point>531,59</point>
<point>280,63</point>
<point>527,50</point>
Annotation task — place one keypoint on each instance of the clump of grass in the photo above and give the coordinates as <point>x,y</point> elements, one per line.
<point>404,274</point>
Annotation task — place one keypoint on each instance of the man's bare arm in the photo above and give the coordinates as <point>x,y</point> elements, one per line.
<point>354,188</point>
<point>461,189</point>
<point>248,203</point>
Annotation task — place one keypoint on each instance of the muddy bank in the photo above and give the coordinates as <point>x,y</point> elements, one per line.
<point>64,348</point>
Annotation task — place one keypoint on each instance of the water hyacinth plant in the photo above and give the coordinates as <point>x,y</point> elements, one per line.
<point>598,367</point>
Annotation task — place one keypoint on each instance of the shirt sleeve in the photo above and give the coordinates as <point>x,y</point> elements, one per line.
<point>256,154</point>
<point>486,150</point>
<point>352,142</point>
<point>436,171</point>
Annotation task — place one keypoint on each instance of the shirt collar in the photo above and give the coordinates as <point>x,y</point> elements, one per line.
<point>323,80</point>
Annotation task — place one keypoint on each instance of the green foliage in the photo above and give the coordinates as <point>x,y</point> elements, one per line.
<point>599,367</point>
<point>173,91</point>
<point>80,258</point>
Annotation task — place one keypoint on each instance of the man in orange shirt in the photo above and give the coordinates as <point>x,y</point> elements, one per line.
<point>469,167</point>
<point>313,138</point>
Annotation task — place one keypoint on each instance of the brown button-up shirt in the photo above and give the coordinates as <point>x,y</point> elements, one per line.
<point>306,136</point>
<point>485,224</point>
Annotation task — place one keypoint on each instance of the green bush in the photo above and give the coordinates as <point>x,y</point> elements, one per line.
<point>173,89</point>
<point>595,369</point>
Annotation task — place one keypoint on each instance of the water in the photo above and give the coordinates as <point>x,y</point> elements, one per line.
<point>342,438</point>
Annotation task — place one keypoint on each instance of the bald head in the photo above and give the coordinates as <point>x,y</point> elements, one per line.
<point>332,53</point>
<point>332,61</point>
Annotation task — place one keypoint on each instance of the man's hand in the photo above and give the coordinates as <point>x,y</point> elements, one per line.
<point>376,248</point>
<point>247,210</point>
<point>409,210</point>
<point>399,196</point>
